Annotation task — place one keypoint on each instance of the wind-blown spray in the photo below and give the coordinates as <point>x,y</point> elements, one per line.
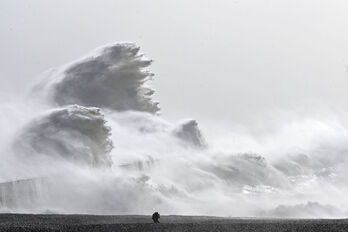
<point>95,143</point>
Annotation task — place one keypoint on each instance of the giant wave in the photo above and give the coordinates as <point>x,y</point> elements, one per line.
<point>98,145</point>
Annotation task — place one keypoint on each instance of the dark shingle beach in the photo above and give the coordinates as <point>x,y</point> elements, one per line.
<point>134,223</point>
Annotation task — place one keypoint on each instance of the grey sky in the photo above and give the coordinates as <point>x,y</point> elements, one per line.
<point>222,59</point>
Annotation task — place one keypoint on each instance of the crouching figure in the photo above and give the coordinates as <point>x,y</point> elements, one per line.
<point>155,217</point>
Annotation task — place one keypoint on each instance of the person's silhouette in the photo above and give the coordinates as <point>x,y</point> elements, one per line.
<point>155,217</point>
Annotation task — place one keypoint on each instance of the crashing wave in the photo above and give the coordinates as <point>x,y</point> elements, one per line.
<point>156,165</point>
<point>20,194</point>
<point>308,210</point>
<point>190,134</point>
<point>247,170</point>
<point>112,77</point>
<point>74,133</point>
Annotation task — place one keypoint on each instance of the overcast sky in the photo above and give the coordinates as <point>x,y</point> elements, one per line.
<point>227,60</point>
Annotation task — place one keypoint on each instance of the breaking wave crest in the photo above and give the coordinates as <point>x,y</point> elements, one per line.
<point>51,135</point>
<point>111,77</point>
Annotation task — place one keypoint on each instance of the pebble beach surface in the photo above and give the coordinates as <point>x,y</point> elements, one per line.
<point>135,223</point>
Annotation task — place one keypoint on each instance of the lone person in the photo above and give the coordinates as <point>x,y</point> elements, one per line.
<point>155,217</point>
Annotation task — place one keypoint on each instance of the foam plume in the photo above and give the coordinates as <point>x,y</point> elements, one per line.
<point>75,133</point>
<point>190,134</point>
<point>113,77</point>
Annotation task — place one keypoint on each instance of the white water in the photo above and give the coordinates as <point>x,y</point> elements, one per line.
<point>63,155</point>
